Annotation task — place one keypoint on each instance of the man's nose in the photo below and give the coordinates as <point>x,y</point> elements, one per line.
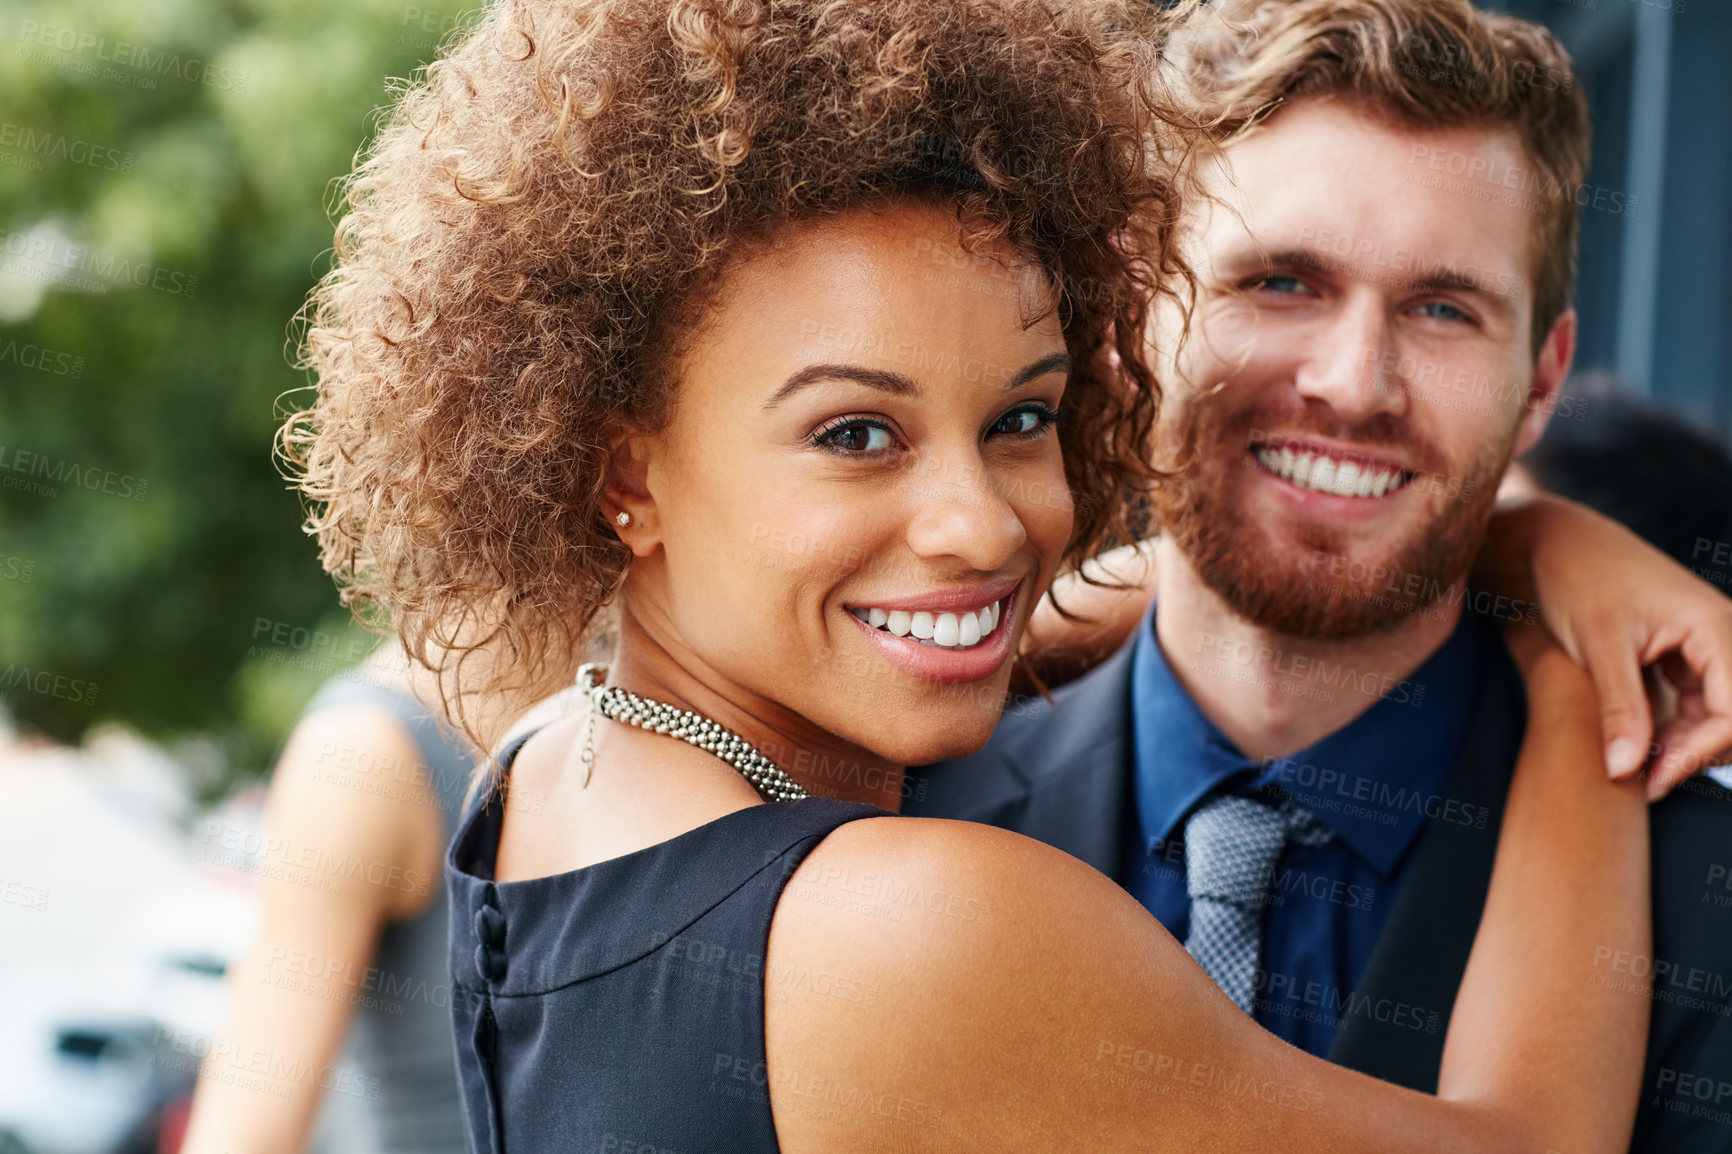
<point>1344,366</point>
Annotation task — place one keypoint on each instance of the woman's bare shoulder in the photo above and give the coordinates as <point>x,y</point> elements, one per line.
<point>975,981</point>
<point>927,890</point>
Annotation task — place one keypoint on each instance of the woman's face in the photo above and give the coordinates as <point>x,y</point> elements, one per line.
<point>859,496</point>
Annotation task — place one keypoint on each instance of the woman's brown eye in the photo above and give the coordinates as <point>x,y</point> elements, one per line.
<point>857,437</point>
<point>1026,422</point>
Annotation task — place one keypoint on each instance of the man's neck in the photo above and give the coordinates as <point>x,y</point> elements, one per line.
<point>1272,694</point>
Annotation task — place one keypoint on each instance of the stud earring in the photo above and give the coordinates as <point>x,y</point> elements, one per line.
<point>623,519</point>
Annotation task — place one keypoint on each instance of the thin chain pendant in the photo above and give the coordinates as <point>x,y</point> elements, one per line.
<point>622,705</point>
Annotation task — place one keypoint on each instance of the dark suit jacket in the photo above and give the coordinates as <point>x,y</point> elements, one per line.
<point>1061,772</point>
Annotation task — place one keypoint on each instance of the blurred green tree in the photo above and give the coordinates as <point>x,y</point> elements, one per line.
<point>166,180</point>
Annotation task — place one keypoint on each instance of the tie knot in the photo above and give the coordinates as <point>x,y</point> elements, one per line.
<point>1232,844</point>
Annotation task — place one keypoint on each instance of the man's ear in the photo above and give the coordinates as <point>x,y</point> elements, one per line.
<point>1550,372</point>
<point>627,496</point>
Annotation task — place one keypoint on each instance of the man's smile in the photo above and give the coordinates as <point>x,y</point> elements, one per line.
<point>1324,469</point>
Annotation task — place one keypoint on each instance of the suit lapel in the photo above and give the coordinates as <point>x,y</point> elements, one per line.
<point>1394,1023</point>
<point>1081,802</point>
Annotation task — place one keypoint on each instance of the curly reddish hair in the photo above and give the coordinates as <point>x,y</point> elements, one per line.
<point>530,232</point>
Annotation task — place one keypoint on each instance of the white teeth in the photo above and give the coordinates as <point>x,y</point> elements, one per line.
<point>947,630</point>
<point>943,630</point>
<point>1326,475</point>
<point>969,633</point>
<point>1347,479</point>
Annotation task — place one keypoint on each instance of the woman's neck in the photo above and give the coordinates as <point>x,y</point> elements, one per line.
<point>824,764</point>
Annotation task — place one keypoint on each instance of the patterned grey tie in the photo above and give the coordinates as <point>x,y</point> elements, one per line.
<point>1231,847</point>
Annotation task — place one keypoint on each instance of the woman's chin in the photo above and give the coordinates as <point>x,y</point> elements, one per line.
<point>940,741</point>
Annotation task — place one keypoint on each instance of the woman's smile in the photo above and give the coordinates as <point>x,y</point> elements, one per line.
<point>949,636</point>
<point>962,633</point>
<point>945,630</point>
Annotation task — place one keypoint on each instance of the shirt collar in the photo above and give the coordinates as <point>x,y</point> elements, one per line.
<point>1374,782</point>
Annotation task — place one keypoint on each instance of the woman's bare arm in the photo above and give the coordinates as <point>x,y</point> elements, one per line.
<point>1003,995</point>
<point>290,996</point>
<point>1551,924</point>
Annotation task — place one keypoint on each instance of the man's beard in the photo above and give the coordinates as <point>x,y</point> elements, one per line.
<point>1317,590</point>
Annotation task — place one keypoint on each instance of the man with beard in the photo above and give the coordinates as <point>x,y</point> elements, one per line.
<point>1298,762</point>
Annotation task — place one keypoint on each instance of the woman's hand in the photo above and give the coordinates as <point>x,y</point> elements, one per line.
<point>1618,605</point>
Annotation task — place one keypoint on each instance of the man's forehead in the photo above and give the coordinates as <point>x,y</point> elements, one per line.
<point>1337,180</point>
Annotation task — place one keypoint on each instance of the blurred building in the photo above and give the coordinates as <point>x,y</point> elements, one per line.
<point>1655,285</point>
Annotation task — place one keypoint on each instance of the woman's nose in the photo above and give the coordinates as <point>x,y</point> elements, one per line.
<point>961,512</point>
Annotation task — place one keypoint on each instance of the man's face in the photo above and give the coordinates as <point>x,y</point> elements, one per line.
<point>1360,370</point>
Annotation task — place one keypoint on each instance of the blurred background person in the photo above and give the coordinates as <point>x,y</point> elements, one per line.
<point>344,992</point>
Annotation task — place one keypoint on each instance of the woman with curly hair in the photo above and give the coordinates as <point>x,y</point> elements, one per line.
<point>803,339</point>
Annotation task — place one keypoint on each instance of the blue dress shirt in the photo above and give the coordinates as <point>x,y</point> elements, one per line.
<point>1374,782</point>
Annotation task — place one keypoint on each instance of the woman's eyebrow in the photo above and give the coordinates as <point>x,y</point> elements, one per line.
<point>885,379</point>
<point>1055,363</point>
<point>890,381</point>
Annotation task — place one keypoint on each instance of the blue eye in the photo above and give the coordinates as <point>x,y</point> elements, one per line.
<point>1026,421</point>
<point>1286,285</point>
<point>1444,311</point>
<point>854,435</point>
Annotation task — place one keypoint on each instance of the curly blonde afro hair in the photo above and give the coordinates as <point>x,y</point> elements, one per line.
<point>532,228</point>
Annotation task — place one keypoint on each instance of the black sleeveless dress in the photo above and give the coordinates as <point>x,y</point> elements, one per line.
<point>620,1007</point>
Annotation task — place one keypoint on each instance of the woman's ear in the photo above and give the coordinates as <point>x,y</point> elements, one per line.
<point>627,502</point>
